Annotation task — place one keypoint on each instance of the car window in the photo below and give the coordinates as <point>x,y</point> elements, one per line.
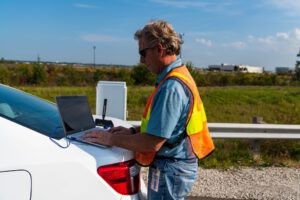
<point>30,111</point>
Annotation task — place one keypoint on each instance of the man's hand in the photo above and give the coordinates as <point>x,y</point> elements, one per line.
<point>123,137</point>
<point>97,136</point>
<point>120,130</point>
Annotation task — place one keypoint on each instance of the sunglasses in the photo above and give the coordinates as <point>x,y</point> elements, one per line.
<point>144,51</point>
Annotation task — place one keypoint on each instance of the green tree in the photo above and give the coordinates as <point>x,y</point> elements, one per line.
<point>97,76</point>
<point>125,75</point>
<point>4,75</point>
<point>39,74</point>
<point>22,75</point>
<point>142,76</point>
<point>199,78</point>
<point>73,76</point>
<point>191,69</point>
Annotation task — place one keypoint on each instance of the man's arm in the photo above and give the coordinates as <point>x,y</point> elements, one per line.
<point>140,142</point>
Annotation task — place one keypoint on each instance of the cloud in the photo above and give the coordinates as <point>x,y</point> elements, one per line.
<point>296,34</point>
<point>284,42</point>
<point>235,45</point>
<point>99,38</point>
<point>269,40</point>
<point>204,42</point>
<point>225,7</point>
<point>276,49</point>
<point>181,4</point>
<point>279,41</point>
<point>280,37</point>
<point>80,5</point>
<point>292,7</point>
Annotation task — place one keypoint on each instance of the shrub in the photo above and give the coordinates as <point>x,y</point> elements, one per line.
<point>39,75</point>
<point>142,76</point>
<point>4,75</point>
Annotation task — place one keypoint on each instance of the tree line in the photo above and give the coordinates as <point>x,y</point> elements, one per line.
<point>40,74</point>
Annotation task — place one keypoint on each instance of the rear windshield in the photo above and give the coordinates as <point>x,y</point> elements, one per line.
<point>30,111</point>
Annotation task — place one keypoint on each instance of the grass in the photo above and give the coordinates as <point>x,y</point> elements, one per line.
<point>49,93</point>
<point>276,105</point>
<point>236,153</point>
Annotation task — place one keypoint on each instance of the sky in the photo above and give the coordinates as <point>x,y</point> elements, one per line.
<point>252,32</point>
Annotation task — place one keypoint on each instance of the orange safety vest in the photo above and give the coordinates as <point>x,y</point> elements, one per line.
<point>196,123</point>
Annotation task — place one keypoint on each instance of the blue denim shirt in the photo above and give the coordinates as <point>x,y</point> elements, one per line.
<point>170,109</point>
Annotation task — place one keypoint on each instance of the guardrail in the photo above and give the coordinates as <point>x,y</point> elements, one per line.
<point>249,131</point>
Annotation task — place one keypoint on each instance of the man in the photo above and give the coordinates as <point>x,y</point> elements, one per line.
<point>174,129</point>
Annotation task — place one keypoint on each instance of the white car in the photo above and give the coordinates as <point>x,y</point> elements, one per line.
<point>38,163</point>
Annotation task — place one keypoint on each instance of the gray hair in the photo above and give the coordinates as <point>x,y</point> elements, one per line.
<point>160,31</point>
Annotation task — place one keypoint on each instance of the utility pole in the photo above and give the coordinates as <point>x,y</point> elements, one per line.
<point>38,59</point>
<point>94,47</point>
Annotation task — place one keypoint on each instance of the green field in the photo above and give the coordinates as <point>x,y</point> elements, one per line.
<point>276,105</point>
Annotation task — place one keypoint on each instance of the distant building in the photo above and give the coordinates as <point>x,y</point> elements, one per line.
<point>253,69</point>
<point>283,70</point>
<point>214,67</point>
<point>236,68</point>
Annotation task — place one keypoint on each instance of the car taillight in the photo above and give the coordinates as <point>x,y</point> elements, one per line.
<point>122,177</point>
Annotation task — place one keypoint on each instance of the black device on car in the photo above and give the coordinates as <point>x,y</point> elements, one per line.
<point>103,122</point>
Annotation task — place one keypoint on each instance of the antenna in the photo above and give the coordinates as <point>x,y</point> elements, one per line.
<point>104,108</point>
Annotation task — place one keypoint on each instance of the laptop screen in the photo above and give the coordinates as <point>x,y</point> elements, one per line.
<point>75,113</point>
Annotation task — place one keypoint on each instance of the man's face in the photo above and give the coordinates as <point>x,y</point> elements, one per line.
<point>148,56</point>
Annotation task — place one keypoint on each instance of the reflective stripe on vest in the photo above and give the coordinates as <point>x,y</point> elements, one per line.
<point>196,123</point>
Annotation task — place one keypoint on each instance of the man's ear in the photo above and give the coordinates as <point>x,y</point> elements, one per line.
<point>160,49</point>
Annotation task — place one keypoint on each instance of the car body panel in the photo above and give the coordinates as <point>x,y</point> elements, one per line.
<point>46,170</point>
<point>18,181</point>
<point>73,166</point>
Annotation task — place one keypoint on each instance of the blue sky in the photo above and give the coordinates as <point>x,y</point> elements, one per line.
<point>253,32</point>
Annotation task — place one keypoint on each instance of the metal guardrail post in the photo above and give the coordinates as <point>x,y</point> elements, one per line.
<point>255,143</point>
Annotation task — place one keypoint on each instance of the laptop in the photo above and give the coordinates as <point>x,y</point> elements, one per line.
<point>76,118</point>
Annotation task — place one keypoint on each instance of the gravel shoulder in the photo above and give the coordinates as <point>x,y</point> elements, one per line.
<point>276,183</point>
